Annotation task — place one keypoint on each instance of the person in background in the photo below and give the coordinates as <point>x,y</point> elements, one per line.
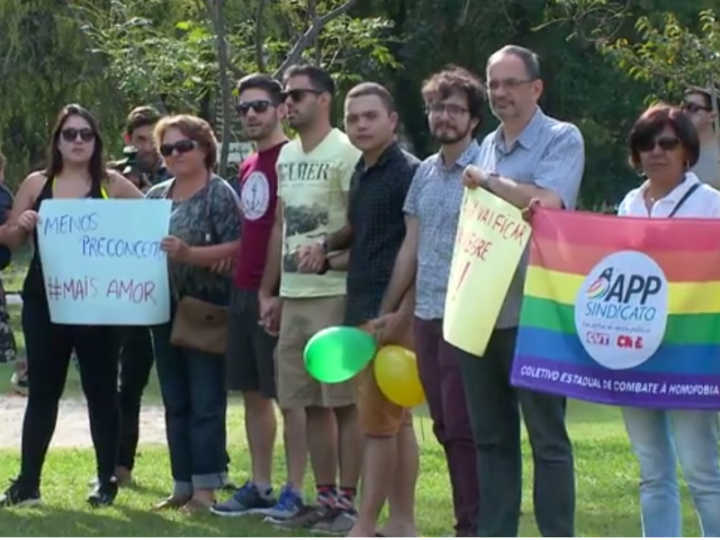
<point>454,98</point>
<point>204,230</point>
<point>374,232</point>
<point>146,166</point>
<point>698,105</point>
<point>250,351</point>
<point>8,349</point>
<point>664,145</point>
<point>314,172</point>
<point>76,171</point>
<point>135,342</point>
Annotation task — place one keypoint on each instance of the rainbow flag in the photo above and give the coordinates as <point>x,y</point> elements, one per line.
<point>623,311</point>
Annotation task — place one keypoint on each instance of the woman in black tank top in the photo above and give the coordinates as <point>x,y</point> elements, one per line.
<point>75,170</point>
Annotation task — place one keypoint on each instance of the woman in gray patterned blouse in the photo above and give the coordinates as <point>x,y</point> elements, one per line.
<point>204,230</point>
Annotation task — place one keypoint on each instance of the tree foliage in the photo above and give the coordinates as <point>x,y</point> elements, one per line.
<point>602,60</point>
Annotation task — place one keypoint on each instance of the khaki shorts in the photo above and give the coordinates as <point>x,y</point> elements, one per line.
<point>379,417</point>
<point>301,319</point>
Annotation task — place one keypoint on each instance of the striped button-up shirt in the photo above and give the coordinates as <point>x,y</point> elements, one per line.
<point>549,154</point>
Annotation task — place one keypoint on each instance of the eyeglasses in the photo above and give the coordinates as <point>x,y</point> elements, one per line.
<point>297,94</point>
<point>691,107</point>
<point>450,108</point>
<point>258,105</point>
<point>509,84</point>
<point>666,143</point>
<point>182,146</point>
<point>71,134</point>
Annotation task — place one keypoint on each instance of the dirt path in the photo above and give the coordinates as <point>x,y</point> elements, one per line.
<point>72,428</point>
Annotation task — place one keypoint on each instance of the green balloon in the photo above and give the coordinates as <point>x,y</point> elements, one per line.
<point>338,353</point>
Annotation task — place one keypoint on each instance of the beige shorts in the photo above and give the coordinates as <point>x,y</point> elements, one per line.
<point>301,319</point>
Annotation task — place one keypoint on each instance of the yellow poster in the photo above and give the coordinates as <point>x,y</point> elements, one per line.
<point>491,238</point>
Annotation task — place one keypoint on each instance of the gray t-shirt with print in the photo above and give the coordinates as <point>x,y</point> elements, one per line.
<point>211,216</point>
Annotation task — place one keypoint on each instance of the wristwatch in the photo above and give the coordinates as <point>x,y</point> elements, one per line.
<point>486,179</point>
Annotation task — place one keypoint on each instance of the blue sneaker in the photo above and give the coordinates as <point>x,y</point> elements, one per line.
<point>289,505</point>
<point>246,500</point>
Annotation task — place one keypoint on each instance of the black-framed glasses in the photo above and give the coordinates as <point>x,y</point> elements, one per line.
<point>71,134</point>
<point>692,107</point>
<point>509,84</point>
<point>257,105</point>
<point>666,143</point>
<point>297,94</point>
<point>451,108</point>
<point>182,146</point>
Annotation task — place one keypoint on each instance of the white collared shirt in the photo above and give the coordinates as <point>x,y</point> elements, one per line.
<point>704,202</point>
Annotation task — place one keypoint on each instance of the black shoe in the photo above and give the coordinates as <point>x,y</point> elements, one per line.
<point>18,494</point>
<point>104,493</point>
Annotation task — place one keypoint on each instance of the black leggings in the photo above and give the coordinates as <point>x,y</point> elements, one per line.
<point>48,351</point>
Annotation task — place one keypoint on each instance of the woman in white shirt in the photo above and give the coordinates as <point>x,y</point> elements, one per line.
<point>664,145</point>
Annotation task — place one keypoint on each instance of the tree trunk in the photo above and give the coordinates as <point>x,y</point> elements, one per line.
<point>218,18</point>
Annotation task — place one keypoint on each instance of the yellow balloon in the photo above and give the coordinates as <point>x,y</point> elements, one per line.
<point>396,374</point>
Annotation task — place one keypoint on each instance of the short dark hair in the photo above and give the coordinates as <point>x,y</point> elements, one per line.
<point>271,86</point>
<point>145,115</point>
<point>373,89</point>
<point>319,78</point>
<point>653,121</point>
<point>706,93</point>
<point>528,57</point>
<point>453,79</point>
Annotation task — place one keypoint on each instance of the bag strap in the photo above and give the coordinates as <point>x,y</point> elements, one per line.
<point>683,199</point>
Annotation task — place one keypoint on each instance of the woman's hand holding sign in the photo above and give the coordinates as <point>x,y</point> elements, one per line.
<point>176,248</point>
<point>28,220</point>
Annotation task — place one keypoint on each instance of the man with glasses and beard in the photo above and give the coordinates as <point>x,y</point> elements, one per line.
<point>250,348</point>
<point>698,105</point>
<point>314,172</point>
<point>529,157</point>
<point>454,99</point>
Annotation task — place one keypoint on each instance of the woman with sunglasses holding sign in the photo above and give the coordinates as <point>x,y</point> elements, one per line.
<point>75,171</point>
<point>204,232</point>
<point>664,145</point>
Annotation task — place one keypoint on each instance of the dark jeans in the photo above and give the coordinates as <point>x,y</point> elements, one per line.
<point>136,360</point>
<point>193,391</point>
<point>495,419</point>
<point>442,380</point>
<point>48,351</point>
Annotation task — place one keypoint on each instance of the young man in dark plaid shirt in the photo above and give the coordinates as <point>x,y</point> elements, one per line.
<point>373,234</point>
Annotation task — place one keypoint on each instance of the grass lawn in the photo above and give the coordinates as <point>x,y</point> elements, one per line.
<point>606,482</point>
<point>607,477</point>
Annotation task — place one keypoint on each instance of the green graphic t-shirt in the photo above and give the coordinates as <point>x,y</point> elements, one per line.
<point>313,187</point>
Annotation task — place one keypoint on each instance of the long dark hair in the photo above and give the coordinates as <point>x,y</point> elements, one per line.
<point>96,167</point>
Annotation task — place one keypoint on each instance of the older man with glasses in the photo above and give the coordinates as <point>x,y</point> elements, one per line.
<point>530,156</point>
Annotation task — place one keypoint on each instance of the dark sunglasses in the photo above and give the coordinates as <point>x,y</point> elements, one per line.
<point>694,107</point>
<point>258,105</point>
<point>666,143</point>
<point>71,134</point>
<point>297,94</point>
<point>182,146</point>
